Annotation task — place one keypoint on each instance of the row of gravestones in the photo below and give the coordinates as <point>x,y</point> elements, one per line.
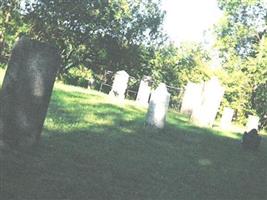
<point>120,84</point>
<point>29,81</point>
<point>158,101</point>
<point>27,89</point>
<point>227,117</point>
<point>201,102</point>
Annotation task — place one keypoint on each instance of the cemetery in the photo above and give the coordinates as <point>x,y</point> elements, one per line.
<point>103,146</point>
<point>103,110</point>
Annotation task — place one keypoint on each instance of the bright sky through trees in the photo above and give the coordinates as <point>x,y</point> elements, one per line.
<point>186,20</point>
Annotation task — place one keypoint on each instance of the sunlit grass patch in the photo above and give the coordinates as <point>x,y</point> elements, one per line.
<point>93,147</point>
<point>2,74</point>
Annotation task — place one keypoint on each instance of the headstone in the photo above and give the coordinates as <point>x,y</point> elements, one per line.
<point>144,90</point>
<point>192,97</point>
<point>212,95</point>
<point>119,84</point>
<point>253,123</point>
<point>91,83</point>
<point>226,119</point>
<point>158,107</point>
<point>26,91</point>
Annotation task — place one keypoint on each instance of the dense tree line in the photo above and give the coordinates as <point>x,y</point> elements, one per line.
<point>127,34</point>
<point>242,42</point>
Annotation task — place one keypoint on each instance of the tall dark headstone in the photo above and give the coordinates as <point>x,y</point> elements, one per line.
<point>26,92</point>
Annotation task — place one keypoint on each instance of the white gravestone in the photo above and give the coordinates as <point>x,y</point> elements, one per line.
<point>192,97</point>
<point>158,107</point>
<point>226,119</point>
<point>212,95</point>
<point>253,122</point>
<point>144,90</point>
<point>119,84</point>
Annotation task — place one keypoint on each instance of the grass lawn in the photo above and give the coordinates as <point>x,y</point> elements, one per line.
<point>93,148</point>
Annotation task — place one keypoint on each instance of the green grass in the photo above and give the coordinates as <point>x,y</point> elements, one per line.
<point>93,148</point>
<point>2,74</point>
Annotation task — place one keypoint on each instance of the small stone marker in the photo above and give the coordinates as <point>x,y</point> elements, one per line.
<point>91,83</point>
<point>226,119</point>
<point>26,91</point>
<point>192,97</point>
<point>144,90</point>
<point>253,122</point>
<point>212,95</point>
<point>119,84</point>
<point>158,107</point>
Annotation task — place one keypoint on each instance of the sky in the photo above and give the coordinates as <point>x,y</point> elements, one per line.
<point>186,20</point>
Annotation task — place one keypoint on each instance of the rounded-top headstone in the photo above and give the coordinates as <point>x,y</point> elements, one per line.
<point>119,85</point>
<point>226,119</point>
<point>252,123</point>
<point>192,97</point>
<point>158,107</point>
<point>144,91</point>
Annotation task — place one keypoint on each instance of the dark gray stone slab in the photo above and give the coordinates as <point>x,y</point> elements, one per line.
<point>26,91</point>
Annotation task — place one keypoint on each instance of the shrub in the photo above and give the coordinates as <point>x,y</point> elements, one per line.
<point>78,76</point>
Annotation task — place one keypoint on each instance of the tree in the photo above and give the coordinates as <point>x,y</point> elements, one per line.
<point>178,65</point>
<point>241,41</point>
<point>241,28</point>
<point>98,34</point>
<point>11,26</point>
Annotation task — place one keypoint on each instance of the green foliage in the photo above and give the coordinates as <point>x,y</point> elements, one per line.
<point>260,103</point>
<point>178,65</point>
<point>78,76</point>
<point>241,40</point>
<point>242,27</point>
<point>2,65</point>
<point>175,66</point>
<point>236,94</point>
<point>98,34</point>
<point>11,27</point>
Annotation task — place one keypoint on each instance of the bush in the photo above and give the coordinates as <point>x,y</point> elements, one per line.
<point>78,76</point>
<point>2,65</point>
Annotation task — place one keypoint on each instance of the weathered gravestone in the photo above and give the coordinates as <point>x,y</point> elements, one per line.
<point>144,90</point>
<point>226,119</point>
<point>252,123</point>
<point>91,83</point>
<point>119,85</point>
<point>192,97</point>
<point>158,107</point>
<point>26,91</point>
<point>212,95</point>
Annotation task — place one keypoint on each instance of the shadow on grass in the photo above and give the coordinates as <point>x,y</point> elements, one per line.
<point>101,151</point>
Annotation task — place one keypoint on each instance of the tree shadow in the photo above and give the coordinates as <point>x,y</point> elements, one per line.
<point>117,157</point>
